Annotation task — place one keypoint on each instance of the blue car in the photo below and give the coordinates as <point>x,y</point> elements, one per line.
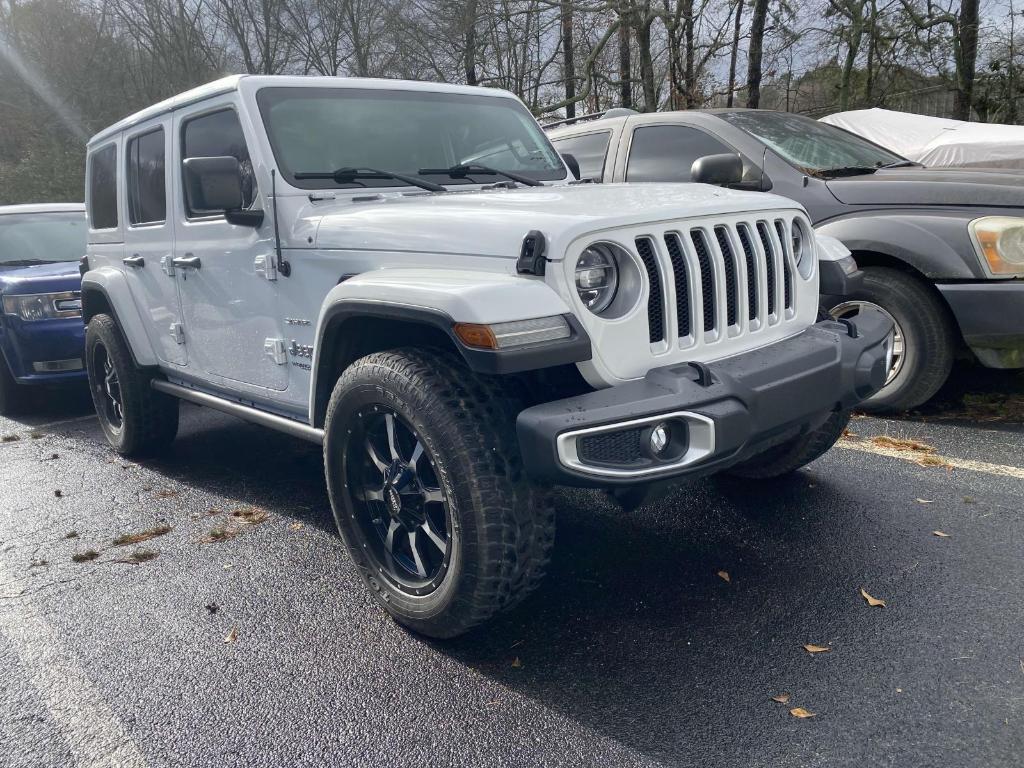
<point>42,339</point>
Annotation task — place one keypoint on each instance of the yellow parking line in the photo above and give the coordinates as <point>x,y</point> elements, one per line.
<point>866,446</point>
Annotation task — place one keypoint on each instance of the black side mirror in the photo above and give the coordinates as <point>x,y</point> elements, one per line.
<point>214,185</point>
<point>722,170</point>
<point>573,163</point>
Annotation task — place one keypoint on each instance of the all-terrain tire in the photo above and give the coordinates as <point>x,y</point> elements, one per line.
<point>148,420</point>
<point>790,456</point>
<point>12,396</point>
<point>929,337</point>
<point>502,525</point>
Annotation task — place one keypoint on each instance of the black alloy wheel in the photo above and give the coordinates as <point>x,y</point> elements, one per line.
<point>108,389</point>
<point>398,501</point>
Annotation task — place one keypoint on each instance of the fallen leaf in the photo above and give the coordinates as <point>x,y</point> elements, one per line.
<point>849,433</point>
<point>228,565</point>
<point>872,601</point>
<point>941,534</point>
<point>143,555</point>
<point>85,557</point>
<point>71,535</point>
<point>782,698</point>
<point>516,663</point>
<point>250,515</point>
<point>295,527</point>
<point>231,636</point>
<point>933,461</point>
<point>37,435</point>
<point>969,500</point>
<point>58,493</point>
<point>899,444</point>
<point>801,713</point>
<point>212,607</point>
<point>166,493</point>
<point>816,648</point>
<point>161,529</point>
<point>924,501</point>
<point>724,576</point>
<point>10,438</point>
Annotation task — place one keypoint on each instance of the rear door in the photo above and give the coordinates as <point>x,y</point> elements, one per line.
<point>149,238</point>
<point>229,300</point>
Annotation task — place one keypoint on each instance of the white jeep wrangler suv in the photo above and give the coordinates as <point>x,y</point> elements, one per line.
<point>407,274</point>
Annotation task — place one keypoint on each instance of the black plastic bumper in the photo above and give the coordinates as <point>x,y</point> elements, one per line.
<point>751,402</point>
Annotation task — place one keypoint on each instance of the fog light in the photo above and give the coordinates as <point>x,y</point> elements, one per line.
<point>659,438</point>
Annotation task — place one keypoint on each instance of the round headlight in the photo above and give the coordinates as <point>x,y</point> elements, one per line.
<point>798,243</point>
<point>597,278</point>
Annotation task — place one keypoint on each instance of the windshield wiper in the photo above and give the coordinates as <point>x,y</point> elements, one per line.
<point>24,263</point>
<point>472,169</point>
<point>348,175</point>
<point>848,170</point>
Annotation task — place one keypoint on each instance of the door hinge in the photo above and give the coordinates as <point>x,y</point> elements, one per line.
<point>167,265</point>
<point>276,351</point>
<point>264,265</point>
<point>178,333</point>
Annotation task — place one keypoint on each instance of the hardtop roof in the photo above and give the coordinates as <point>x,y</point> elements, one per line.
<point>255,82</point>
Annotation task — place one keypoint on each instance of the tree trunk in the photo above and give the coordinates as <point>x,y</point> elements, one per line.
<point>852,49</point>
<point>755,52</point>
<point>735,51</point>
<point>625,66</point>
<point>966,59</point>
<point>689,76</point>
<point>643,44</point>
<point>470,53</point>
<point>568,61</point>
<point>869,79</point>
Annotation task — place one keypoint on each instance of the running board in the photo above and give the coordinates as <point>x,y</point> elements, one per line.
<point>248,413</point>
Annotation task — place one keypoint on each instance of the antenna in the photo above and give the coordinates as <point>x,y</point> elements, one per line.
<point>282,266</point>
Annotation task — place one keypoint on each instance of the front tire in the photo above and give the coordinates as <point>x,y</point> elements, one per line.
<point>136,419</point>
<point>796,453</point>
<point>12,396</point>
<point>428,491</point>
<point>924,337</point>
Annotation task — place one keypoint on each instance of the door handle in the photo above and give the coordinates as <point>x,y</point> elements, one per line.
<point>188,260</point>
<point>134,261</point>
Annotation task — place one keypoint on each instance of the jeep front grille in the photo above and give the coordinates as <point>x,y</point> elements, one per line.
<point>727,279</point>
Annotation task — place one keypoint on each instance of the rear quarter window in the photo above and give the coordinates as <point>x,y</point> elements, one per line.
<point>590,151</point>
<point>102,173</point>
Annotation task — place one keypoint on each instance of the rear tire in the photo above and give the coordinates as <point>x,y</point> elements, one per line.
<point>428,491</point>
<point>136,419</point>
<point>796,453</point>
<point>927,331</point>
<point>12,396</point>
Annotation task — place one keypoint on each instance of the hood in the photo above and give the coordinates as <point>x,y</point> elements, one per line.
<point>42,278</point>
<point>932,186</point>
<point>494,222</point>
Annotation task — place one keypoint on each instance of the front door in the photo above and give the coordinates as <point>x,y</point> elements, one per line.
<point>149,239</point>
<point>229,300</point>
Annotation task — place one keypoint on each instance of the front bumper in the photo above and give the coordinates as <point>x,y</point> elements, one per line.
<point>44,351</point>
<point>991,319</point>
<point>726,412</point>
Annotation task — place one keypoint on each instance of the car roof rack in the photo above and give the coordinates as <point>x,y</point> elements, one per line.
<point>613,112</point>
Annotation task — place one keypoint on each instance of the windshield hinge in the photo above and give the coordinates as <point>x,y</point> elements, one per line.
<point>532,259</point>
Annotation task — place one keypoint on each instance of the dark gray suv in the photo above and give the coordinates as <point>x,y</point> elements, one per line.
<point>942,250</point>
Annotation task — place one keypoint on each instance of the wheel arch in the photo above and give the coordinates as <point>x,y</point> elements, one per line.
<point>106,292</point>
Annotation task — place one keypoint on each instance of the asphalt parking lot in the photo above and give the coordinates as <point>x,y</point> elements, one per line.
<point>240,636</point>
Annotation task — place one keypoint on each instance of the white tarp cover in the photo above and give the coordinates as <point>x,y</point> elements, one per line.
<point>937,141</point>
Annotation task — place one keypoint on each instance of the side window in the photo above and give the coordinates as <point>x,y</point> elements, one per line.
<point>219,134</point>
<point>103,188</point>
<point>147,190</point>
<point>589,150</point>
<point>666,152</point>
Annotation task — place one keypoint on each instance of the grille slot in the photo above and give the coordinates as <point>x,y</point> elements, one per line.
<point>787,270</point>
<point>707,278</point>
<point>751,260</point>
<point>675,254</point>
<point>656,301</point>
<point>729,261</point>
<point>769,260</point>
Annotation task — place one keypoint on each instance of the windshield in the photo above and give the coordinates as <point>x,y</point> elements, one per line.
<point>324,129</point>
<point>810,145</point>
<point>41,238</point>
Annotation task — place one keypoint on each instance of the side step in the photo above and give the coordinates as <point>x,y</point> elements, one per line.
<point>256,416</point>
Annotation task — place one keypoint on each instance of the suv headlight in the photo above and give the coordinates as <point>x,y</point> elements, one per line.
<point>597,277</point>
<point>803,248</point>
<point>44,306</point>
<point>999,240</point>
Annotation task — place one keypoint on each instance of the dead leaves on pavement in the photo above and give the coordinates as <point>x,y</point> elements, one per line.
<point>125,539</point>
<point>811,648</point>
<point>874,602</point>
<point>239,519</point>
<point>801,713</point>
